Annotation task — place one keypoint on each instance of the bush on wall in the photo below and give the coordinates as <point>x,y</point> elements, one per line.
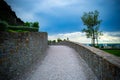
<point>3,26</point>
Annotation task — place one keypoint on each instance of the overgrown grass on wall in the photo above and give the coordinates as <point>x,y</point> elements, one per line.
<point>23,28</point>
<point>5,27</point>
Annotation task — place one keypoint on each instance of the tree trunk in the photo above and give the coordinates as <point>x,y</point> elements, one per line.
<point>93,42</point>
<point>93,38</point>
<point>97,40</point>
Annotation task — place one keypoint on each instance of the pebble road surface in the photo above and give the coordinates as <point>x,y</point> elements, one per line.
<point>62,63</point>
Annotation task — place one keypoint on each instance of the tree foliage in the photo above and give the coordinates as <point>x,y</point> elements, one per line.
<point>59,40</point>
<point>91,20</point>
<point>35,24</point>
<point>32,24</point>
<point>27,24</point>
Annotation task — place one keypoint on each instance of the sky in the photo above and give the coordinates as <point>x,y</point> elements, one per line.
<point>62,18</point>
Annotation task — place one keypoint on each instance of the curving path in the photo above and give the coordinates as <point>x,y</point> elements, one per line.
<point>62,63</point>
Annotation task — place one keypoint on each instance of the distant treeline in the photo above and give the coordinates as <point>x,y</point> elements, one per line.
<point>108,45</point>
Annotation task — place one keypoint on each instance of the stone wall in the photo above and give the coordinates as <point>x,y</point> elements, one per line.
<point>104,65</point>
<point>18,51</point>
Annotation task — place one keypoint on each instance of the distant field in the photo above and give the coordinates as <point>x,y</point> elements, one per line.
<point>113,51</point>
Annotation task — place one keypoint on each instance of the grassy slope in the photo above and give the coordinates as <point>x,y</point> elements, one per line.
<point>114,52</point>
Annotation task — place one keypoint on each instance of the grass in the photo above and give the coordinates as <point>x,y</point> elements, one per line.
<point>115,52</point>
<point>23,28</point>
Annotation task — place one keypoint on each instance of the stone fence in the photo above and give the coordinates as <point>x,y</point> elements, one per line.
<point>104,65</point>
<point>19,51</point>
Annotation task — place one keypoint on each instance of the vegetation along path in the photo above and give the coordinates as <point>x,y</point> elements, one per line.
<point>62,63</point>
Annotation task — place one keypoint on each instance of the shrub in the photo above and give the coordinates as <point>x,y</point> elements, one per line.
<point>3,26</point>
<point>35,24</point>
<point>11,30</point>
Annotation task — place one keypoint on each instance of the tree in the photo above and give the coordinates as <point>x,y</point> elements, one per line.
<point>92,22</point>
<point>27,24</point>
<point>35,24</point>
<point>59,40</point>
<point>32,24</point>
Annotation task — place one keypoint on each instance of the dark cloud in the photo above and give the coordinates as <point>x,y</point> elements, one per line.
<point>64,15</point>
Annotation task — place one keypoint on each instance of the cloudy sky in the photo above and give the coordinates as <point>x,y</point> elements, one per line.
<point>62,18</point>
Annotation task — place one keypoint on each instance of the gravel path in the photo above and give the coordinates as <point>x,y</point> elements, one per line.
<point>62,63</point>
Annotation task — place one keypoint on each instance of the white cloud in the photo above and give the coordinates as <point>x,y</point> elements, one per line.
<point>110,37</point>
<point>81,38</point>
<point>75,36</point>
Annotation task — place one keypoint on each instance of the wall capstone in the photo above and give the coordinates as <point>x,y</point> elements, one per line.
<point>104,65</point>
